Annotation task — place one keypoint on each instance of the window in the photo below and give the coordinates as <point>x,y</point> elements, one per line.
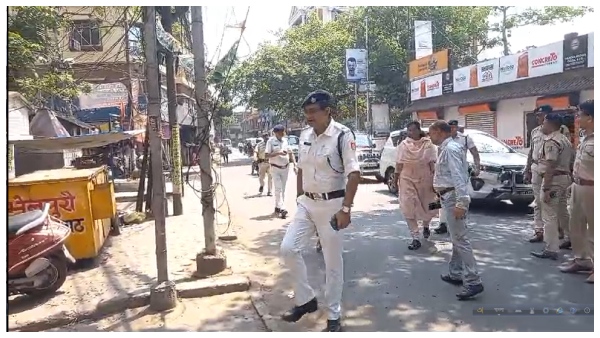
<point>489,144</point>
<point>292,140</point>
<point>363,141</point>
<point>85,36</point>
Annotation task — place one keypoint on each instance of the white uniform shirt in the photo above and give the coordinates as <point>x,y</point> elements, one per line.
<point>319,154</point>
<point>465,141</point>
<point>273,146</point>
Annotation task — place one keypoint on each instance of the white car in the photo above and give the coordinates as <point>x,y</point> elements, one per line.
<point>293,142</point>
<point>501,168</point>
<point>368,157</point>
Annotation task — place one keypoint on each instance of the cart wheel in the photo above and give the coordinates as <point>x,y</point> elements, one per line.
<point>115,226</point>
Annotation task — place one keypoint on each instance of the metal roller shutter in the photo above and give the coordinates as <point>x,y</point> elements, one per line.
<point>427,123</point>
<point>485,122</point>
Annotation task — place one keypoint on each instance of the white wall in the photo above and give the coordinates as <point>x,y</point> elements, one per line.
<point>510,120</point>
<point>586,95</point>
<point>451,113</point>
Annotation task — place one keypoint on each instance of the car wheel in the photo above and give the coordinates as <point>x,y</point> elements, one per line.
<point>389,179</point>
<point>380,178</point>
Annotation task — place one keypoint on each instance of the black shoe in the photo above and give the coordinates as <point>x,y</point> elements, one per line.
<point>260,190</point>
<point>283,213</point>
<point>269,194</point>
<point>297,312</point>
<point>537,237</point>
<point>414,245</point>
<point>451,280</point>
<point>566,245</point>
<point>545,255</point>
<point>442,229</point>
<point>470,291</point>
<point>277,211</point>
<point>333,326</point>
<point>426,233</point>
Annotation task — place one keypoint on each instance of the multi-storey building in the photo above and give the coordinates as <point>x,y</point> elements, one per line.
<point>326,14</point>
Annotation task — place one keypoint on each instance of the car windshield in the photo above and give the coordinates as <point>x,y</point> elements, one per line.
<point>488,144</point>
<point>293,141</point>
<point>363,141</point>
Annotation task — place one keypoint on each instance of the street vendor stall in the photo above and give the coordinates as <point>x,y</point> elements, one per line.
<point>82,198</point>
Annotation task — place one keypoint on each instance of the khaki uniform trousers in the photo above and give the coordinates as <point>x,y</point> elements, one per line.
<point>551,210</point>
<point>264,169</point>
<point>582,221</point>
<point>562,212</point>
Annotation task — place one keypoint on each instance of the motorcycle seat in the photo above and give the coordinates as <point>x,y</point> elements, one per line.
<point>21,223</point>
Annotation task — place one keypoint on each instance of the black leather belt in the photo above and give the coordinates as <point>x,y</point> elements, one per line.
<point>581,181</point>
<point>280,166</point>
<point>444,191</point>
<point>325,196</point>
<point>260,161</point>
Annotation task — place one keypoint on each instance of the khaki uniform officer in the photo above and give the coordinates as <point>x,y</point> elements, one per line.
<point>264,169</point>
<point>582,194</point>
<point>324,203</point>
<point>532,174</point>
<point>555,156</point>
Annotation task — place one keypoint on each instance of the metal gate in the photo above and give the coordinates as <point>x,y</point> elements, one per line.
<point>427,123</point>
<point>485,122</point>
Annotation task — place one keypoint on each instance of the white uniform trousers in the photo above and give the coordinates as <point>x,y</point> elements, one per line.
<point>315,215</point>
<point>280,177</point>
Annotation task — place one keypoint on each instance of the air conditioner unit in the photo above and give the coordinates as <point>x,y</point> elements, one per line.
<point>75,45</point>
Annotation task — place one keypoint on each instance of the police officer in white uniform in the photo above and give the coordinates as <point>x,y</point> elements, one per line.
<point>279,154</point>
<point>325,199</point>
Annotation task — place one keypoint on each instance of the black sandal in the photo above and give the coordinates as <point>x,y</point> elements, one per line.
<point>414,245</point>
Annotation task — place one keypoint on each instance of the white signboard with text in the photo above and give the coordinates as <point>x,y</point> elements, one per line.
<point>461,79</point>
<point>590,55</point>
<point>487,73</point>
<point>546,60</point>
<point>426,88</point>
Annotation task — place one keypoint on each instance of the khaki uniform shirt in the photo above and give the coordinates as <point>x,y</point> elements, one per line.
<point>556,148</point>
<point>584,159</point>
<point>537,139</point>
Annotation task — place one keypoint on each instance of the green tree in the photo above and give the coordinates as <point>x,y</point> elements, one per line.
<point>279,76</point>
<point>31,46</point>
<point>510,18</point>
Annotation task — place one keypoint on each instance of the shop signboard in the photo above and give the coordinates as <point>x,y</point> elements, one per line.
<point>461,79</point>
<point>447,82</point>
<point>590,54</point>
<point>426,88</point>
<point>575,53</point>
<point>433,64</point>
<point>487,73</point>
<point>546,60</point>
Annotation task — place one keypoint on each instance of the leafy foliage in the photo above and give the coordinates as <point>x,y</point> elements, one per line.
<point>532,16</point>
<point>31,44</point>
<point>278,76</point>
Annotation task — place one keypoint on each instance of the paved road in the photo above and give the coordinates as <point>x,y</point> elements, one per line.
<point>390,288</point>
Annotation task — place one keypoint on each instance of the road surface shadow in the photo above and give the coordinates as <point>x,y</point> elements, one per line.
<point>390,288</point>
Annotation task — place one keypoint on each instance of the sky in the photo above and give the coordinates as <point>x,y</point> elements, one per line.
<point>263,21</point>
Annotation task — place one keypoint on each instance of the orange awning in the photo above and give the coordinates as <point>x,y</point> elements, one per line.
<point>554,102</point>
<point>474,109</point>
<point>427,115</point>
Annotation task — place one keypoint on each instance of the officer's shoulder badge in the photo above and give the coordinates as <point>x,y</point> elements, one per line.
<point>353,145</point>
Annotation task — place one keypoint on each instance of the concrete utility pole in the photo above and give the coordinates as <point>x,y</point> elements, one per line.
<point>167,23</point>
<point>211,260</point>
<point>163,295</point>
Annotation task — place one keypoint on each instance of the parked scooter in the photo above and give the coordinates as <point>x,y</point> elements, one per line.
<point>37,256</point>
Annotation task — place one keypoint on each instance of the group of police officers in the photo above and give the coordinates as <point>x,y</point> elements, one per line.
<point>328,175</point>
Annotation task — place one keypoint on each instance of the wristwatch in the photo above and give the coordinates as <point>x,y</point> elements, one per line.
<point>345,209</point>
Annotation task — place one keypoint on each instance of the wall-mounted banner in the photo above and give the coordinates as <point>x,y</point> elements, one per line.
<point>513,67</point>
<point>546,60</point>
<point>356,65</point>
<point>590,54</point>
<point>423,39</point>
<point>461,78</point>
<point>426,88</point>
<point>435,63</point>
<point>447,82</point>
<point>487,73</point>
<point>575,53</point>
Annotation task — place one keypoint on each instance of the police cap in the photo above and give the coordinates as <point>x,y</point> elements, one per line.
<point>555,119</point>
<point>544,109</point>
<point>278,128</point>
<point>453,122</point>
<point>587,107</point>
<point>322,97</point>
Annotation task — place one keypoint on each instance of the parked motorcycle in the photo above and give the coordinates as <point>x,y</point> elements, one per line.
<point>37,256</point>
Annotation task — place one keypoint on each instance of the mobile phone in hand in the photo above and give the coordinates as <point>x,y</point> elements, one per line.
<point>333,223</point>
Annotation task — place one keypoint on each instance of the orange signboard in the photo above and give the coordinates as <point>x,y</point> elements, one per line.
<point>435,63</point>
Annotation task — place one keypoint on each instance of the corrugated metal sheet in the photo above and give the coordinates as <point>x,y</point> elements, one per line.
<point>485,122</point>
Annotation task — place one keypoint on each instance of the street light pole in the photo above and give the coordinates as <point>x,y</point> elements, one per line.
<point>368,85</point>
<point>211,260</point>
<point>163,295</point>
